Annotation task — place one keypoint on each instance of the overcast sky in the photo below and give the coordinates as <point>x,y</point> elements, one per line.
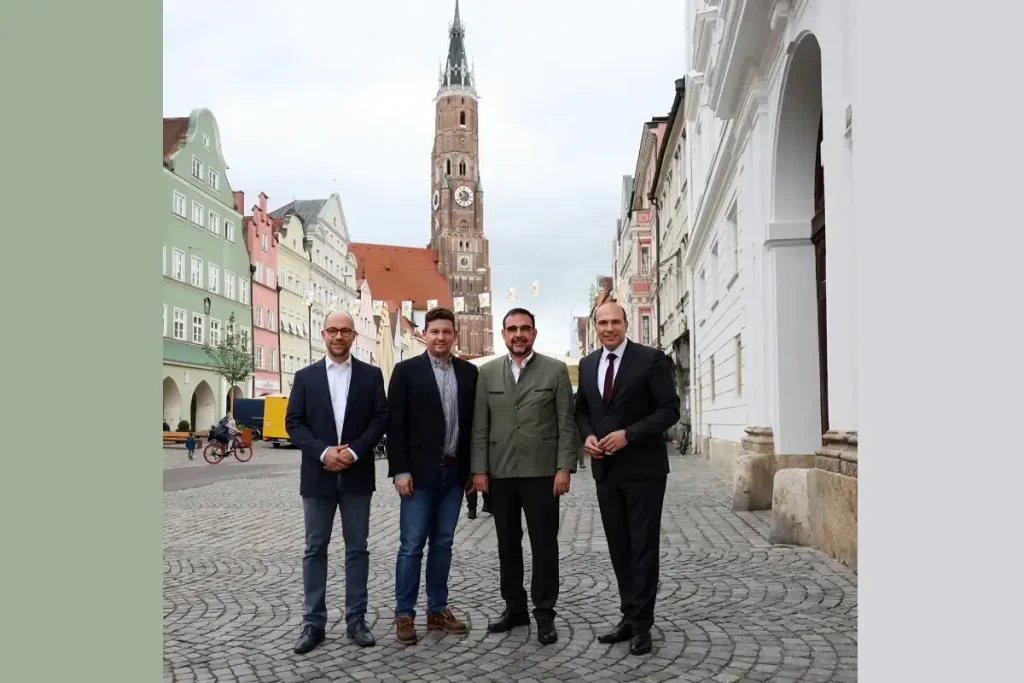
<point>315,96</point>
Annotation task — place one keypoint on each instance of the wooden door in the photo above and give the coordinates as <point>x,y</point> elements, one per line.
<point>818,240</point>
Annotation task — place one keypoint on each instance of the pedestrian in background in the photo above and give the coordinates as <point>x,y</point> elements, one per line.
<point>190,444</point>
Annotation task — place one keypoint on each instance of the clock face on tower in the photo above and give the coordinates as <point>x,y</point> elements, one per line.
<point>464,263</point>
<point>463,196</point>
<point>435,201</point>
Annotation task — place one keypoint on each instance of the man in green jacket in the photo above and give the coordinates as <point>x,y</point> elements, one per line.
<point>524,446</point>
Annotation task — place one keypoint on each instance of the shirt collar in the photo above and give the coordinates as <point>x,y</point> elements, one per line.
<point>439,363</point>
<point>525,362</point>
<point>618,350</point>
<point>330,363</point>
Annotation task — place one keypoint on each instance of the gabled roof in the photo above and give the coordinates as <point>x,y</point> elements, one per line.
<point>175,132</point>
<point>306,209</point>
<point>399,274</point>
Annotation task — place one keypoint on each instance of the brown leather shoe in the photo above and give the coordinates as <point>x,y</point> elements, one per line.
<point>405,630</point>
<point>445,621</point>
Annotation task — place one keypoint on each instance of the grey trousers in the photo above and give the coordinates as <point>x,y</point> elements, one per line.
<point>355,526</point>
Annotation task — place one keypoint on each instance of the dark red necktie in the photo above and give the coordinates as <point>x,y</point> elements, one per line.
<point>609,378</point>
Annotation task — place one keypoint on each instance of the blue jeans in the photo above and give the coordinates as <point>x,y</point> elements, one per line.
<point>431,512</point>
<point>355,529</point>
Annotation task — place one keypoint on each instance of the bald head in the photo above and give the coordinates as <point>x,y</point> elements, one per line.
<point>610,308</point>
<point>611,325</point>
<point>339,319</point>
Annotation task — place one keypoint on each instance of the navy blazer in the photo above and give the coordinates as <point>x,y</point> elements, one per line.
<point>416,428</point>
<point>311,426</point>
<point>644,402</point>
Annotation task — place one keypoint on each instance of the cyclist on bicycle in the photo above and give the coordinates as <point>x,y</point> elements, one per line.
<point>226,430</point>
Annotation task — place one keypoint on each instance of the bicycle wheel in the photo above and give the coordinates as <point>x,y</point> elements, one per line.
<point>213,453</point>
<point>242,453</point>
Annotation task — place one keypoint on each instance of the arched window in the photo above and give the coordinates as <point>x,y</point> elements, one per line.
<point>462,168</point>
<point>462,118</point>
<point>448,167</point>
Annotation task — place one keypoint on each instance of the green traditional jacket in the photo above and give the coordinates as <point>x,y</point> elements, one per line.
<point>525,428</point>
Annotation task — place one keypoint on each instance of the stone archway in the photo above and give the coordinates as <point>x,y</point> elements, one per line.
<point>172,403</point>
<point>796,241</point>
<point>203,411</point>
<point>229,400</point>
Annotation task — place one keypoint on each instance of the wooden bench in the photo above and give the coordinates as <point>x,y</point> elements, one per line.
<point>180,437</point>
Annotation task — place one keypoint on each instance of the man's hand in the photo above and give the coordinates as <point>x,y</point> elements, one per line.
<point>470,488</point>
<point>592,447</point>
<point>346,454</point>
<point>561,483</point>
<point>334,461</point>
<point>615,441</point>
<point>404,485</point>
<point>480,482</point>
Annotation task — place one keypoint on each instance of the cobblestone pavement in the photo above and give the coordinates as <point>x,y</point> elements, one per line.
<point>731,607</point>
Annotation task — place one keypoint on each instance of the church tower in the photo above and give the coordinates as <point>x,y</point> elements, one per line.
<point>457,195</point>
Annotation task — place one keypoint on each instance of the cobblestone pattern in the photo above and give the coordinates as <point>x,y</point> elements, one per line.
<point>731,607</point>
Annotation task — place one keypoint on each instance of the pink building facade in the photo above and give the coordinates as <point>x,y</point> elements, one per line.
<point>261,237</point>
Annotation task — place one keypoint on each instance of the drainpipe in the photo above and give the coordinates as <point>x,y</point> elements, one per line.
<point>280,358</point>
<point>657,267</point>
<point>252,323</point>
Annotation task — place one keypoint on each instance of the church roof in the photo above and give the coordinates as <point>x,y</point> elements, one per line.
<point>307,209</point>
<point>397,273</point>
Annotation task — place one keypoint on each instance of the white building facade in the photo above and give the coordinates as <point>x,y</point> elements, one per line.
<point>769,140</point>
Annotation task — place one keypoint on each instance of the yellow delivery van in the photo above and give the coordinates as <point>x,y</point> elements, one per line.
<point>274,410</point>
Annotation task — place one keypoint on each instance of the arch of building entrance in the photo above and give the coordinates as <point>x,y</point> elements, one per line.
<point>172,403</point>
<point>203,413</point>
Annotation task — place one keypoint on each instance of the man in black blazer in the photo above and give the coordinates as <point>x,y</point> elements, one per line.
<point>625,403</point>
<point>431,403</point>
<point>337,414</point>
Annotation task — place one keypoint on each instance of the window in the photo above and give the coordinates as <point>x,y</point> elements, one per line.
<point>165,320</point>
<point>198,214</point>
<point>739,367</point>
<point>273,359</point>
<point>198,329</point>
<point>645,329</point>
<point>462,118</point>
<point>712,281</point>
<point>270,278</point>
<point>178,328</point>
<point>197,168</point>
<point>229,231</point>
<point>197,271</point>
<point>259,316</point>
<point>259,272</point>
<point>732,245</point>
<point>263,242</point>
<point>645,259</point>
<point>259,357</point>
<point>243,290</point>
<point>163,260</point>
<point>213,179</point>
<point>246,335</point>
<point>214,332</point>
<point>178,204</point>
<point>270,319</point>
<point>229,284</point>
<point>213,277</point>
<point>214,225</point>
<point>178,264</point>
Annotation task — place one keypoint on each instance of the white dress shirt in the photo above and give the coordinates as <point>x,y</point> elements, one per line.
<point>516,370</point>
<point>602,366</point>
<point>339,378</point>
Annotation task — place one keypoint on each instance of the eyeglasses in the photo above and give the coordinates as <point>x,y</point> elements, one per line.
<point>525,329</point>
<point>335,331</point>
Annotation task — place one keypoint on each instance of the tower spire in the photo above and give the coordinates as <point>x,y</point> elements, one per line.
<point>457,72</point>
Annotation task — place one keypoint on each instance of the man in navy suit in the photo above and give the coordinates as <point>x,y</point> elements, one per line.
<point>337,414</point>
<point>625,403</point>
<point>431,401</point>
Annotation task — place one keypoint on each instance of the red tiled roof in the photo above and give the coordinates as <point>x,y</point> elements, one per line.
<point>175,130</point>
<point>402,274</point>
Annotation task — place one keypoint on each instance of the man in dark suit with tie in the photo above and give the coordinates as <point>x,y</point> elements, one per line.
<point>625,402</point>
<point>431,404</point>
<point>337,414</point>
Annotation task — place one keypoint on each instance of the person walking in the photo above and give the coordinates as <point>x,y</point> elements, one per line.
<point>337,413</point>
<point>524,448</point>
<point>625,403</point>
<point>430,400</point>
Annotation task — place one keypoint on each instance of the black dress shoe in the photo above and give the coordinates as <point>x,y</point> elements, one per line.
<point>308,639</point>
<point>546,633</point>
<point>641,643</point>
<point>472,513</point>
<point>508,621</point>
<point>361,635</point>
<point>486,509</point>
<point>622,632</point>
